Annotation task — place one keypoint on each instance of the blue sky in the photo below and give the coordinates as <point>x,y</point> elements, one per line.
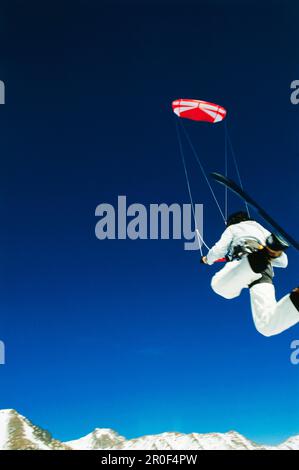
<point>128,334</point>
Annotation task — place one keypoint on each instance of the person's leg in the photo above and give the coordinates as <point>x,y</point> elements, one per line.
<point>235,275</point>
<point>271,317</point>
<point>263,304</point>
<point>286,313</point>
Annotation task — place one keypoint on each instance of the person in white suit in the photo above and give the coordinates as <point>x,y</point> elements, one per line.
<point>252,252</point>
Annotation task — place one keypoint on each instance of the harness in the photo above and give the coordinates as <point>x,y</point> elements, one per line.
<point>243,248</point>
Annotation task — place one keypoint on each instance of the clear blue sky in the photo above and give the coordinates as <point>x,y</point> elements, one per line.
<point>123,334</point>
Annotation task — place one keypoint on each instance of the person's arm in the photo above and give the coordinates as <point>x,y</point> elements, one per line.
<point>281,261</point>
<point>220,248</point>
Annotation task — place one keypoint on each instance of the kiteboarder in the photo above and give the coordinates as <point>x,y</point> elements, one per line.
<point>252,252</point>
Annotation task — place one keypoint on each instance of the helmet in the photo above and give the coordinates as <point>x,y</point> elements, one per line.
<point>237,217</point>
<point>276,242</point>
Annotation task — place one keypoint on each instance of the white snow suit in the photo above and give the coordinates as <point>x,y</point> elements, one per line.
<point>270,317</point>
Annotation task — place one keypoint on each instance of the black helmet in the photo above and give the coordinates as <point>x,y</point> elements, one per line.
<point>237,217</point>
<point>276,242</point>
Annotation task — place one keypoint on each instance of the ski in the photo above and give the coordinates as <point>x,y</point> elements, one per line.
<point>243,195</point>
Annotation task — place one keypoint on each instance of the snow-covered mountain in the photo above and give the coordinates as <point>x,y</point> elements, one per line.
<point>98,439</point>
<point>290,444</point>
<point>175,441</point>
<point>172,440</point>
<point>107,439</point>
<point>17,432</point>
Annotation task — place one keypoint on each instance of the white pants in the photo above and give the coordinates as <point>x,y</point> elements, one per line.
<point>270,317</point>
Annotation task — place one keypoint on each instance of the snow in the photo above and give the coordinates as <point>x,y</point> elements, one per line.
<point>4,420</point>
<point>290,444</point>
<point>90,441</point>
<point>168,441</point>
<point>29,434</point>
<point>177,441</point>
<point>193,441</point>
<point>20,423</point>
<point>108,439</point>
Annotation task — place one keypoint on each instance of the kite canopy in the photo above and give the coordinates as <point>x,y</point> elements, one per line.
<point>198,110</point>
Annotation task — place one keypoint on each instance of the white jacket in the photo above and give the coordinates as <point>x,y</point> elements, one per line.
<point>234,234</point>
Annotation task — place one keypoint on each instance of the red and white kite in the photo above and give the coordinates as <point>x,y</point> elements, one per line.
<point>198,110</point>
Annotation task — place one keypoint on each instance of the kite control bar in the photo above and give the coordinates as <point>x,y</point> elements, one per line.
<point>220,260</point>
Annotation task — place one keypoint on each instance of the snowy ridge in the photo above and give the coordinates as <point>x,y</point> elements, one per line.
<point>194,441</point>
<point>98,439</point>
<point>4,420</point>
<point>179,441</point>
<point>17,432</point>
<point>290,444</point>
